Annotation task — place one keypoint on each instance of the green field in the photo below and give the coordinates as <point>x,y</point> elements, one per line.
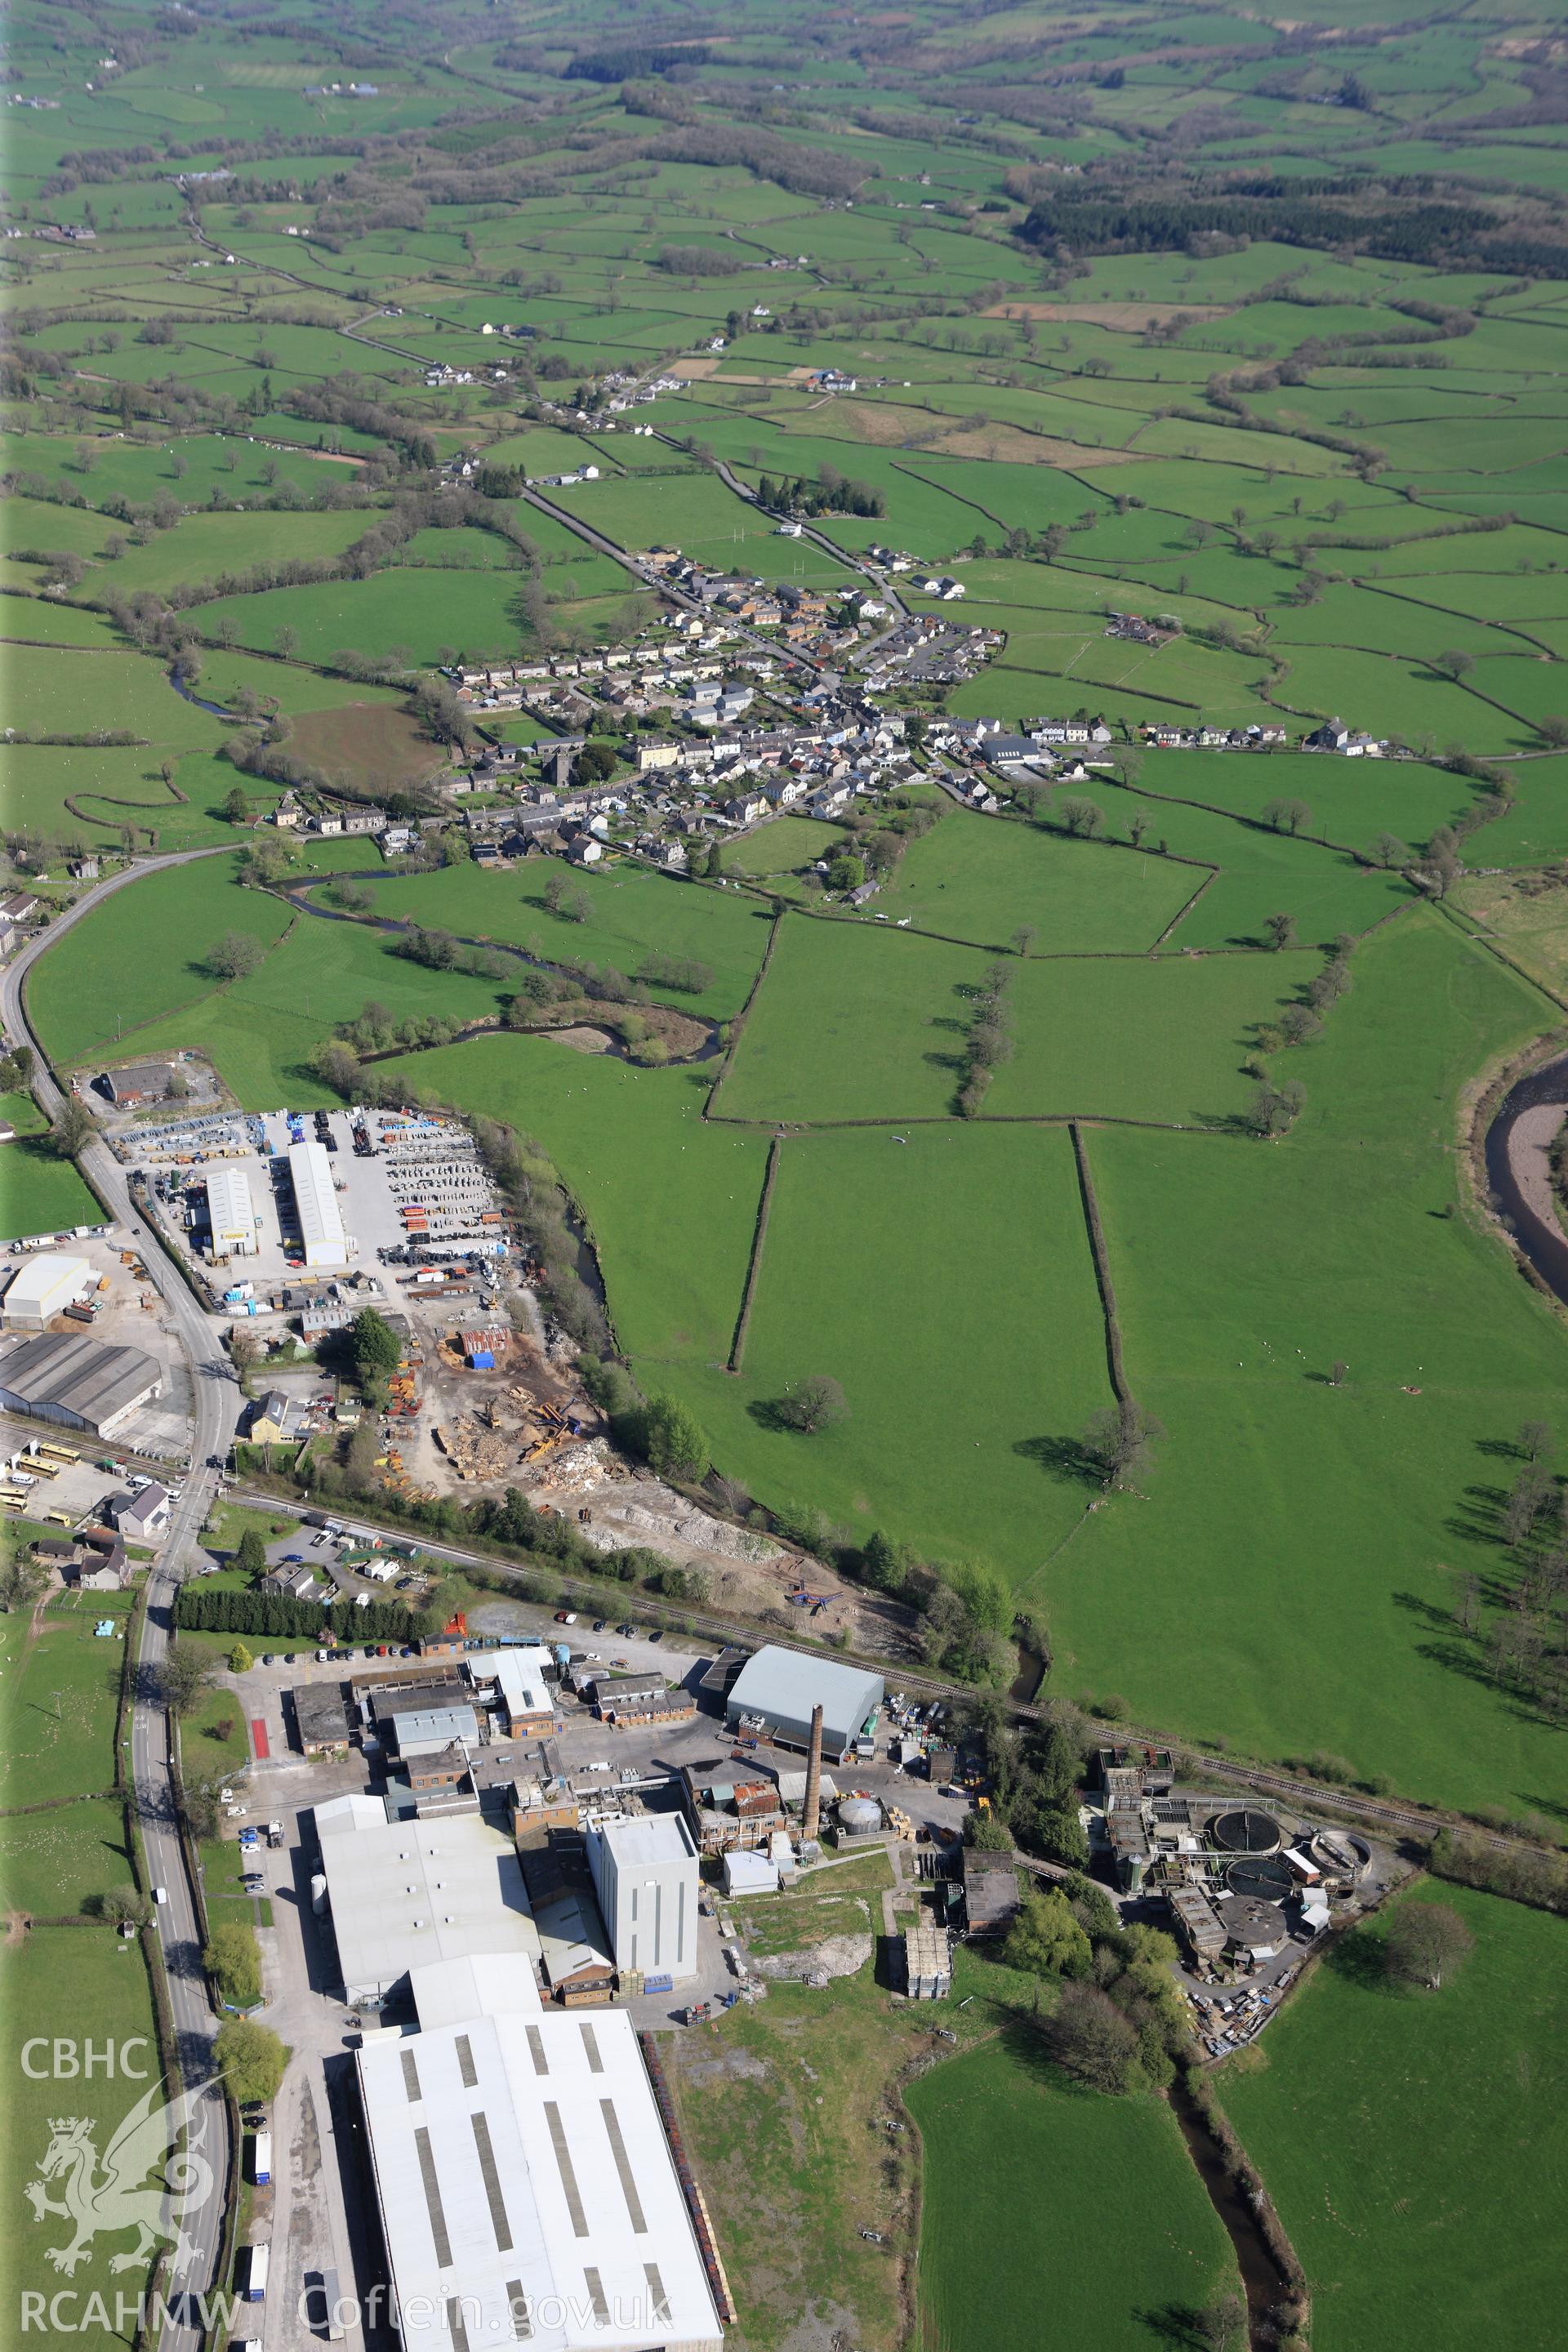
<point>1243,1274</point>
<point>960,1317</point>
<point>99,985</point>
<point>40,1193</point>
<point>784,846</point>
<point>64,1982</point>
<point>633,912</point>
<point>1401,2132</point>
<point>635,1151</point>
<point>56,1722</point>
<point>972,878</point>
<point>1052,2217</point>
<point>852,1024</point>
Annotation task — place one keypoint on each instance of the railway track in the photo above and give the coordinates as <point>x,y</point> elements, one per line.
<point>1311,1796</point>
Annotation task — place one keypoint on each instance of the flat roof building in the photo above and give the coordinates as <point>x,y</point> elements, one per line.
<point>776,1690</point>
<point>322,1723</point>
<point>645,1871</point>
<point>527,2188</point>
<point>421,1730</point>
<point>316,1199</point>
<point>405,1892</point>
<point>42,1288</point>
<point>78,1382</point>
<point>231,1213</point>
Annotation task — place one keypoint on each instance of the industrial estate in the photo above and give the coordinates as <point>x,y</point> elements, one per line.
<point>784,1177</point>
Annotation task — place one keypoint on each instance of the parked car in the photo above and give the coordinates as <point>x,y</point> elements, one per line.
<point>599,1625</point>
<point>657,1633</point>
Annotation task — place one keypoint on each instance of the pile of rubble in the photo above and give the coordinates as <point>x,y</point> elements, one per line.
<point>474,1452</point>
<point>580,1470</point>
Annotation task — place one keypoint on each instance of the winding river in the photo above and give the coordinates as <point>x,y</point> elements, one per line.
<point>1520,1172</point>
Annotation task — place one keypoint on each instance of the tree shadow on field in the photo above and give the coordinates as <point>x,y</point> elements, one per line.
<point>1362,1960</point>
<point>769,1414</point>
<point>1180,2324</point>
<point>1063,1458</point>
<point>1478,1518</point>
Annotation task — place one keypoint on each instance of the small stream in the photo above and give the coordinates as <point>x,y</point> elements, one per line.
<point>1260,2276</point>
<point>711,1048</point>
<point>186,695</point>
<point>1544,1245</point>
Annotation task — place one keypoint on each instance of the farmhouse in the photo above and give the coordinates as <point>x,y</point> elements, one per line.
<point>141,1516</point>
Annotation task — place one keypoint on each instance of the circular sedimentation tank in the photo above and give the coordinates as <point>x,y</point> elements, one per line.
<point>1260,1877</point>
<point>1341,1856</point>
<point>1245,1830</point>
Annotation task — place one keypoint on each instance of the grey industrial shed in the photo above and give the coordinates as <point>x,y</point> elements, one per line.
<point>778,1688</point>
<point>68,1377</point>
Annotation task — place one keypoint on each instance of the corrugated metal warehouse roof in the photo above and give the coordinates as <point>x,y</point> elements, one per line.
<point>78,1378</point>
<point>520,2164</point>
<point>231,1213</point>
<point>404,1894</point>
<point>782,1687</point>
<point>315,1197</point>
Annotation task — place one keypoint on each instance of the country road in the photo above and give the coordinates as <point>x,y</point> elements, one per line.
<point>215,1400</point>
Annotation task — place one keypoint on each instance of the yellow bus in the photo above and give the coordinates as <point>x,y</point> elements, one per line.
<point>39,1468</point>
<point>59,1454</point>
<point>62,1519</point>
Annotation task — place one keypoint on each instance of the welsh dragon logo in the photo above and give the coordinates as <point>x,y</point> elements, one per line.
<point>104,2196</point>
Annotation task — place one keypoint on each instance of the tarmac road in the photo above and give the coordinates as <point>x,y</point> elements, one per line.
<point>216,1411</point>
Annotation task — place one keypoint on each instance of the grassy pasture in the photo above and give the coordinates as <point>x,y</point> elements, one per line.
<point>633,913</point>
<point>1023,2172</point>
<point>261,1031</point>
<point>67,1982</point>
<point>855,1024</point>
<point>1402,2132</point>
<point>96,983</point>
<point>972,878</point>
<point>784,846</point>
<point>39,1192</point>
<point>1309,1536</point>
<point>947,1284</point>
<point>57,1714</point>
<point>635,1152</point>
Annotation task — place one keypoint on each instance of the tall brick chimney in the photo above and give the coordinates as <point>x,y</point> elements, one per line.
<point>813,1821</point>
